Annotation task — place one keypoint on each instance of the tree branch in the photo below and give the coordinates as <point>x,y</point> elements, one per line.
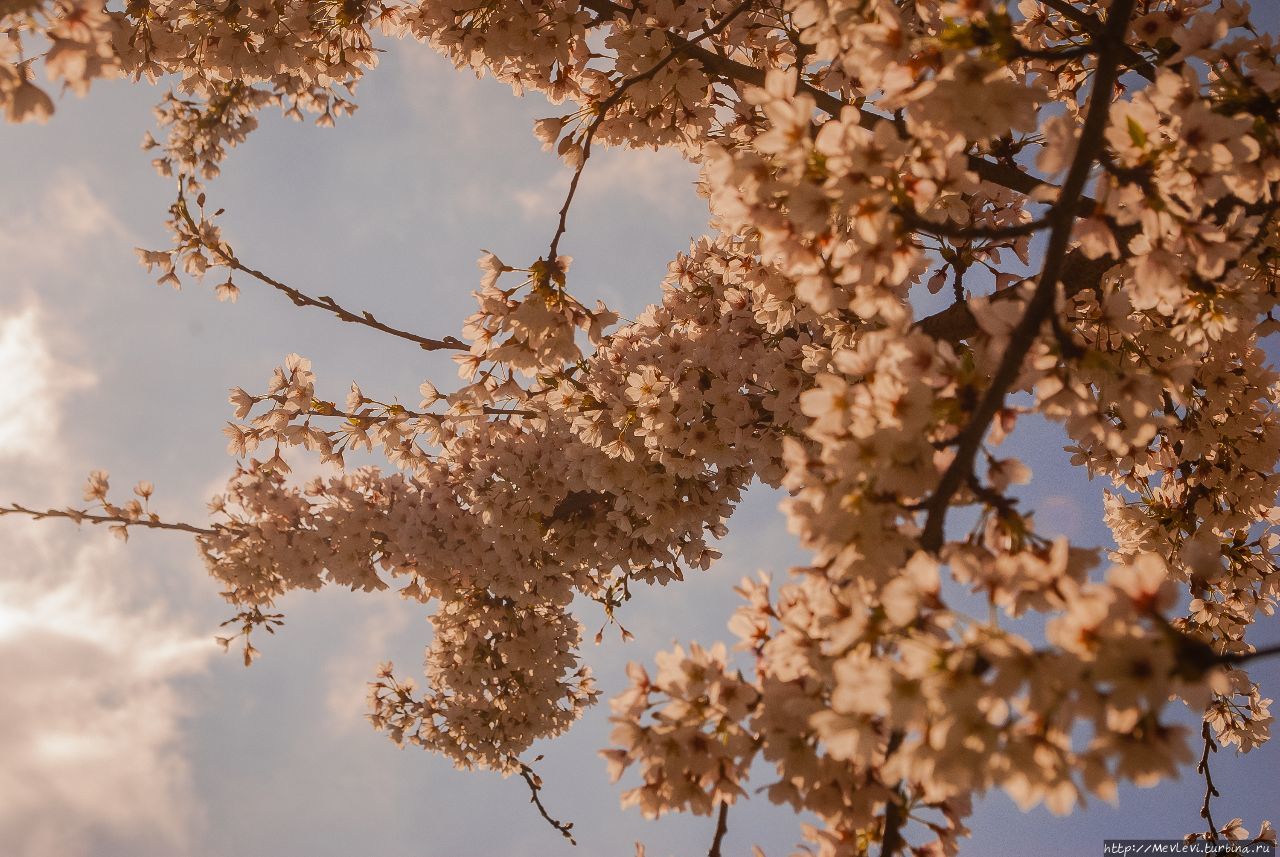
<point>1066,10</point>
<point>1079,273</point>
<point>722,827</point>
<point>1041,304</point>
<point>680,46</point>
<point>1269,651</point>
<point>957,322</point>
<point>405,414</point>
<point>80,516</point>
<point>535,786</point>
<point>225,257</point>
<point>363,317</point>
<point>951,229</point>
<point>1094,27</point>
<point>731,71</point>
<point>1210,792</point>
<point>891,842</point>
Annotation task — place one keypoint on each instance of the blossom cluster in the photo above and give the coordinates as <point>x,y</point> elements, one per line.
<point>856,155</point>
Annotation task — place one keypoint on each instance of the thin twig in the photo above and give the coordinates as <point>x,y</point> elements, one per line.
<point>1210,791</point>
<point>1041,304</point>
<point>534,782</point>
<point>602,112</point>
<point>722,827</point>
<point>363,317</point>
<point>80,516</point>
<point>403,414</point>
<point>227,259</point>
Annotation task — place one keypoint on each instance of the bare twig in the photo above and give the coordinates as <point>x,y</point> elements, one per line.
<point>403,414</point>
<point>226,258</point>
<point>1041,304</point>
<point>363,317</point>
<point>534,782</point>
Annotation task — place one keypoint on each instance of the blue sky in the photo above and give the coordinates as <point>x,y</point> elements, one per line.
<point>125,731</point>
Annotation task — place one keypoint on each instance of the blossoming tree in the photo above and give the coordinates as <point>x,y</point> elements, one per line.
<point>1093,181</point>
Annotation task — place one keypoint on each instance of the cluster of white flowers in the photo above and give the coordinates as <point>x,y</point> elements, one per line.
<point>855,153</point>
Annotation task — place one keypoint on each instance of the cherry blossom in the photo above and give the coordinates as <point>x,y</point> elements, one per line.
<point>1097,181</point>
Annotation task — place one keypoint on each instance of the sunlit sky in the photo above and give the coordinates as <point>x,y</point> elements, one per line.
<point>124,730</point>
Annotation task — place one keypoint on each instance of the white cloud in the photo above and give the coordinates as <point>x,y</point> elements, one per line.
<point>34,383</point>
<point>656,179</point>
<point>349,674</point>
<point>1060,515</point>
<point>451,100</point>
<point>91,744</point>
<point>49,236</point>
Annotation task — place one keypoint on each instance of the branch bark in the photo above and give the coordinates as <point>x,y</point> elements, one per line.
<point>1094,27</point>
<point>679,46</point>
<point>81,516</point>
<point>535,786</point>
<point>1210,791</point>
<point>363,317</point>
<point>1266,652</point>
<point>1079,273</point>
<point>731,71</point>
<point>722,827</point>
<point>1041,305</point>
<point>891,840</point>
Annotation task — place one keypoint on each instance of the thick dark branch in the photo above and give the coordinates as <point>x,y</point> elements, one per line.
<point>81,516</point>
<point>722,827</point>
<point>365,318</point>
<point>1056,54</point>
<point>1086,21</point>
<point>951,229</point>
<point>1094,27</point>
<point>535,786</point>
<point>1268,652</point>
<point>1042,300</point>
<point>891,842</point>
